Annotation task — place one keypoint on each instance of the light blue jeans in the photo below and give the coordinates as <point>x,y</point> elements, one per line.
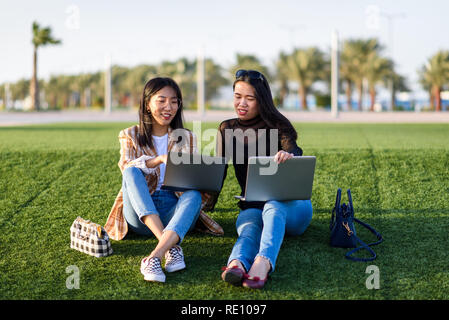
<point>176,214</point>
<point>261,232</point>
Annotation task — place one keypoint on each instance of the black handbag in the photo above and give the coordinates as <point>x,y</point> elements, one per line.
<point>343,232</point>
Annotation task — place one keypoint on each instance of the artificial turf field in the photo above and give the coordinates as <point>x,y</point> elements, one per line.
<point>398,175</point>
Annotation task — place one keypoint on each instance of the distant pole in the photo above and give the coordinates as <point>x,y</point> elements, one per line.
<point>391,40</point>
<point>390,18</point>
<point>7,97</point>
<point>200,82</point>
<point>334,74</point>
<point>107,85</point>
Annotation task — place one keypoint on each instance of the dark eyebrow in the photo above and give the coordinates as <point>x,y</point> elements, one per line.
<point>246,95</point>
<point>174,97</point>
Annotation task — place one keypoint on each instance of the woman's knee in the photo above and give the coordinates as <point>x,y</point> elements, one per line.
<point>193,196</point>
<point>277,209</point>
<point>299,217</point>
<point>131,172</point>
<point>249,218</point>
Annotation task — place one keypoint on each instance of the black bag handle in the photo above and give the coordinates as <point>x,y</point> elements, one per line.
<point>364,245</point>
<point>335,209</point>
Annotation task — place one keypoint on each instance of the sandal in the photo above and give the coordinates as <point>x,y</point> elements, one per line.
<point>233,275</point>
<point>254,282</point>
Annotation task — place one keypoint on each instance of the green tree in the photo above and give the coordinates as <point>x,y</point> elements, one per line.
<point>306,67</point>
<point>282,76</point>
<point>135,81</point>
<point>19,89</point>
<point>248,62</point>
<point>183,72</point>
<point>348,70</point>
<point>435,75</point>
<point>41,37</point>
<point>377,70</point>
<point>214,79</point>
<point>358,51</point>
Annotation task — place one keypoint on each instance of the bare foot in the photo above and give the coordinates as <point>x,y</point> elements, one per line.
<point>260,268</point>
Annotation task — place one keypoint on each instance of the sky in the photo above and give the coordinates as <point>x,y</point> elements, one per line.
<point>134,32</point>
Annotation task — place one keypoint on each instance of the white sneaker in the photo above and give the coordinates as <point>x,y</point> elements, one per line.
<point>151,269</point>
<point>174,259</point>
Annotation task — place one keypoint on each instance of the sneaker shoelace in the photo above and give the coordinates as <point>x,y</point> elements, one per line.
<point>174,255</point>
<point>153,265</point>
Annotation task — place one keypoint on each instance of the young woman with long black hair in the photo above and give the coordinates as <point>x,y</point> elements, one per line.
<point>141,204</point>
<point>261,226</point>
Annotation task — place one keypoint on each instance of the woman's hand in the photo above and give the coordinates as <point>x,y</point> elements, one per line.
<point>153,163</point>
<point>282,156</point>
<point>163,158</point>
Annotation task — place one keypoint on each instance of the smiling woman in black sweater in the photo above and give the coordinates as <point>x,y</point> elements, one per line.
<point>259,130</point>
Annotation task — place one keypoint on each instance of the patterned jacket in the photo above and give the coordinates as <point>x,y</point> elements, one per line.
<point>132,155</point>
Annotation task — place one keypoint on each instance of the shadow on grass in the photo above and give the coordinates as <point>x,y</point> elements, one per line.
<point>317,233</point>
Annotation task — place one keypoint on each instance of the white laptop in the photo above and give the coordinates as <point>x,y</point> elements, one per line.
<point>266,180</point>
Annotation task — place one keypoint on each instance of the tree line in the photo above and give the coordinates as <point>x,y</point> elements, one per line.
<point>362,65</point>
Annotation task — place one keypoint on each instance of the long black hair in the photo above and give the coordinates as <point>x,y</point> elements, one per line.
<point>267,110</point>
<point>146,119</point>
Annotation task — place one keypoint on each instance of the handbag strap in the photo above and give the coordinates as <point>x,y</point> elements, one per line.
<point>336,208</point>
<point>363,244</point>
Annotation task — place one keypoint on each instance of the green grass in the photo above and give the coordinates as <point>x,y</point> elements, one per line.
<point>398,174</point>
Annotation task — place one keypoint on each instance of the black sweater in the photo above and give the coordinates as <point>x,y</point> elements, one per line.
<point>251,144</point>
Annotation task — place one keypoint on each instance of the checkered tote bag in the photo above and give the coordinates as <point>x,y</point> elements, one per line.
<point>90,238</point>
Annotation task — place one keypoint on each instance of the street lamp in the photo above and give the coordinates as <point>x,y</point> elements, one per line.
<point>334,76</point>
<point>390,18</point>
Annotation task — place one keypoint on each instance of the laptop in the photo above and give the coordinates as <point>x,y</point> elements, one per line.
<point>266,180</point>
<point>185,171</point>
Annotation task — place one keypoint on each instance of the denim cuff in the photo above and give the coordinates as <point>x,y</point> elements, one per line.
<point>141,216</point>
<point>177,232</point>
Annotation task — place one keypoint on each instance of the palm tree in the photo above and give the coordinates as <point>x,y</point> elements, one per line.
<point>435,73</point>
<point>136,79</point>
<point>248,62</point>
<point>399,84</point>
<point>41,37</point>
<point>348,70</point>
<point>377,69</point>
<point>306,67</point>
<point>282,75</point>
<point>360,50</point>
<point>214,79</point>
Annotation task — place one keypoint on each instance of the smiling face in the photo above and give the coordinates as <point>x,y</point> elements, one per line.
<point>245,102</point>
<point>163,107</point>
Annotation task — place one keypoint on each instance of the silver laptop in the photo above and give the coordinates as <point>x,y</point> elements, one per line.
<point>186,171</point>
<point>266,180</point>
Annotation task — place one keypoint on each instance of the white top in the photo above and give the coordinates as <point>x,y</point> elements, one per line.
<point>161,145</point>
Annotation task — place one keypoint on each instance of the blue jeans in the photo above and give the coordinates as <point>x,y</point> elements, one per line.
<point>176,214</point>
<point>261,232</point>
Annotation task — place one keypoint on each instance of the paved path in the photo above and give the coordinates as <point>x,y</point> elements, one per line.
<point>25,118</point>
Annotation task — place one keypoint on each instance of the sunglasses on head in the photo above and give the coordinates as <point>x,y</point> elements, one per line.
<point>252,74</point>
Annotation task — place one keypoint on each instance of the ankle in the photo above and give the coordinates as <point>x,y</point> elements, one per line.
<point>236,263</point>
<point>265,261</point>
<point>260,268</point>
<point>155,254</point>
